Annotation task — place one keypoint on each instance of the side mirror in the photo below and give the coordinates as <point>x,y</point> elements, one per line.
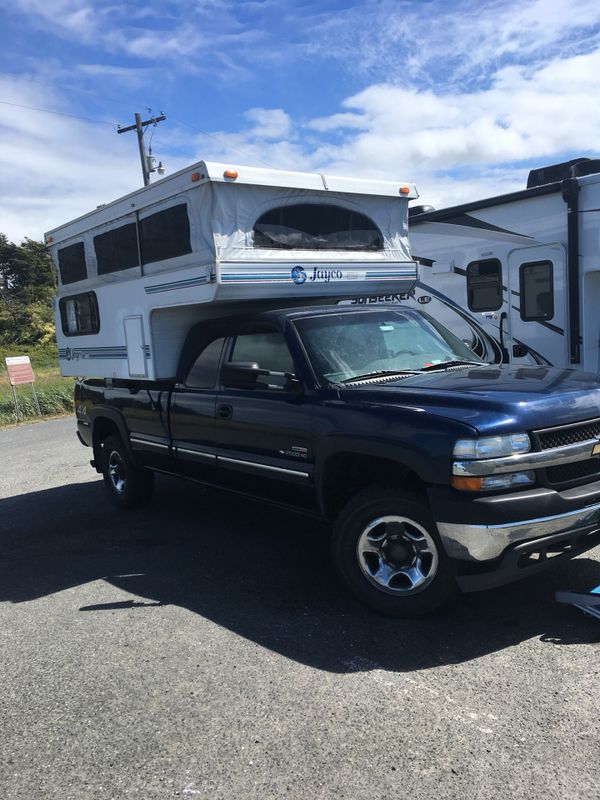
<point>241,374</point>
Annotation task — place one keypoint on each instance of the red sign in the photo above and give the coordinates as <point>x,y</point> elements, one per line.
<point>19,370</point>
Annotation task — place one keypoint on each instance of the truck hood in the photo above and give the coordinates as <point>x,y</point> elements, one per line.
<point>491,399</point>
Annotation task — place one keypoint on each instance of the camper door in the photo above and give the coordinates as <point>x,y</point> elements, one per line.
<point>537,307</point>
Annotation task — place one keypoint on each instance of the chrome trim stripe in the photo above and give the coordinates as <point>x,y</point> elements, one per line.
<point>268,467</point>
<point>484,542</point>
<point>580,451</point>
<point>198,453</point>
<point>135,440</point>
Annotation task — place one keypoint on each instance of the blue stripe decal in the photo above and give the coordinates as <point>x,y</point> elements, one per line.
<point>173,285</point>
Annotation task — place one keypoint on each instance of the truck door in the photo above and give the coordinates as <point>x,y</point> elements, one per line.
<point>536,325</point>
<point>264,432</point>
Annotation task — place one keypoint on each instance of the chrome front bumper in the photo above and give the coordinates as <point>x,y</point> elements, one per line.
<point>486,542</point>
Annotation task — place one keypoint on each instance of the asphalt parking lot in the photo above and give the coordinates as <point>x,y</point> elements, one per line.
<point>200,648</point>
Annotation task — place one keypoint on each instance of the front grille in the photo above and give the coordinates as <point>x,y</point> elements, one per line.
<point>564,473</point>
<point>569,434</point>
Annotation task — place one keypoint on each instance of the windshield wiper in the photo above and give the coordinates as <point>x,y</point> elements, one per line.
<point>447,364</point>
<point>381,373</point>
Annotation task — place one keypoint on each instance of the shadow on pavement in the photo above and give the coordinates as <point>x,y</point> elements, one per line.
<point>262,573</point>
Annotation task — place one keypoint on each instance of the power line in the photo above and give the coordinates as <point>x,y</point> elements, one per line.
<point>221,142</point>
<point>58,113</point>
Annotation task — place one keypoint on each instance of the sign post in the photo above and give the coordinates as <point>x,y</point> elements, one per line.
<point>20,372</point>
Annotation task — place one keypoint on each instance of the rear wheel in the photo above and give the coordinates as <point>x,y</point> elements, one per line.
<point>128,485</point>
<point>388,552</point>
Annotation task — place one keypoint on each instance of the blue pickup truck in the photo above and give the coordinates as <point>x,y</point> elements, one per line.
<point>436,470</point>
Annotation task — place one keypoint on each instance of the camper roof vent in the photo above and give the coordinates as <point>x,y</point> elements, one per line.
<point>567,169</point>
<point>414,210</point>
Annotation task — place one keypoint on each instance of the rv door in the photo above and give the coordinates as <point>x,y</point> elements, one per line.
<point>536,330</point>
<point>136,347</point>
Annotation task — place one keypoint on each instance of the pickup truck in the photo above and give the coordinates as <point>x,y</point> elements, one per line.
<point>436,469</point>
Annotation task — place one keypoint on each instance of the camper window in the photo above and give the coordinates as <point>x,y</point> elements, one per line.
<point>204,371</point>
<point>71,263</point>
<point>484,285</point>
<point>537,291</point>
<point>316,226</point>
<point>165,234</point>
<point>79,314</point>
<point>117,249</point>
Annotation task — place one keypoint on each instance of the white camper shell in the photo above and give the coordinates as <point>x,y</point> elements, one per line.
<point>136,274</point>
<point>518,275</point>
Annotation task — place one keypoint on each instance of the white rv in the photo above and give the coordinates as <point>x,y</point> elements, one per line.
<point>136,274</point>
<point>518,275</point>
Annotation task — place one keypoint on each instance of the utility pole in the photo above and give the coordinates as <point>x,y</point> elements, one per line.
<point>139,128</point>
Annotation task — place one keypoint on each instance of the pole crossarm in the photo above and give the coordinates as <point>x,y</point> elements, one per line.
<point>139,128</point>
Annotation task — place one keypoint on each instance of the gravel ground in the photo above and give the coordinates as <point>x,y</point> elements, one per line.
<point>199,648</point>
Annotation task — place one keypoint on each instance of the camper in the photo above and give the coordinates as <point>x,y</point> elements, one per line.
<point>518,276</point>
<point>136,274</point>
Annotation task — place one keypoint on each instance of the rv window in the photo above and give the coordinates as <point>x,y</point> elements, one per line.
<point>267,349</point>
<point>117,249</point>
<point>537,291</point>
<point>71,263</point>
<point>484,285</point>
<point>165,234</point>
<point>79,314</point>
<point>204,371</point>
<point>311,226</point>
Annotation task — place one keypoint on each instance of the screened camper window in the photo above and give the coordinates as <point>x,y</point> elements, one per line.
<point>313,226</point>
<point>484,285</point>
<point>537,291</point>
<point>71,263</point>
<point>79,314</point>
<point>117,250</point>
<point>165,234</point>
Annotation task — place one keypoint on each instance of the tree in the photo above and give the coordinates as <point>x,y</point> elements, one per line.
<point>26,289</point>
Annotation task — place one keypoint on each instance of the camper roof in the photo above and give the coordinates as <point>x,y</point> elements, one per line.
<point>204,172</point>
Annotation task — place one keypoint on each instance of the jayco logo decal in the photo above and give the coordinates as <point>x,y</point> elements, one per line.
<point>318,275</point>
<point>298,275</point>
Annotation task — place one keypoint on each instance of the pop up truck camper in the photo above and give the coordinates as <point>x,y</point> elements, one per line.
<point>518,275</point>
<point>136,274</point>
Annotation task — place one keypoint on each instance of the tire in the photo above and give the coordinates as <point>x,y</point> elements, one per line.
<point>388,553</point>
<point>128,486</point>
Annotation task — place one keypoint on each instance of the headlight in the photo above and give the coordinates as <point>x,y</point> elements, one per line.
<point>493,446</point>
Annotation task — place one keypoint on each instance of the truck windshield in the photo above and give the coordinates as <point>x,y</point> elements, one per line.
<point>349,345</point>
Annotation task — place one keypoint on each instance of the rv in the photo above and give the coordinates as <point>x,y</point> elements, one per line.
<point>518,276</point>
<point>135,275</point>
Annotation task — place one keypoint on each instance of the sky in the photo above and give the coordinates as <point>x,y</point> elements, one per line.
<point>462,98</point>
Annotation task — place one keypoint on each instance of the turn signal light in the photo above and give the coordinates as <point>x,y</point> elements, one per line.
<point>230,173</point>
<point>466,484</point>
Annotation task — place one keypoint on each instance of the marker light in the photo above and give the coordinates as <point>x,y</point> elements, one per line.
<point>490,483</point>
<point>195,177</point>
<point>230,173</point>
<point>404,190</point>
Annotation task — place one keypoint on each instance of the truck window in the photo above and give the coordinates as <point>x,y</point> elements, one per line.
<point>79,314</point>
<point>484,285</point>
<point>537,291</point>
<point>204,370</point>
<point>71,263</point>
<point>316,226</point>
<point>269,350</point>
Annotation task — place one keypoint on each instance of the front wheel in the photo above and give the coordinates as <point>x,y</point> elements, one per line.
<point>128,485</point>
<point>388,552</point>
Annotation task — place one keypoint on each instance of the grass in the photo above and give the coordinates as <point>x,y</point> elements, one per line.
<point>55,393</point>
